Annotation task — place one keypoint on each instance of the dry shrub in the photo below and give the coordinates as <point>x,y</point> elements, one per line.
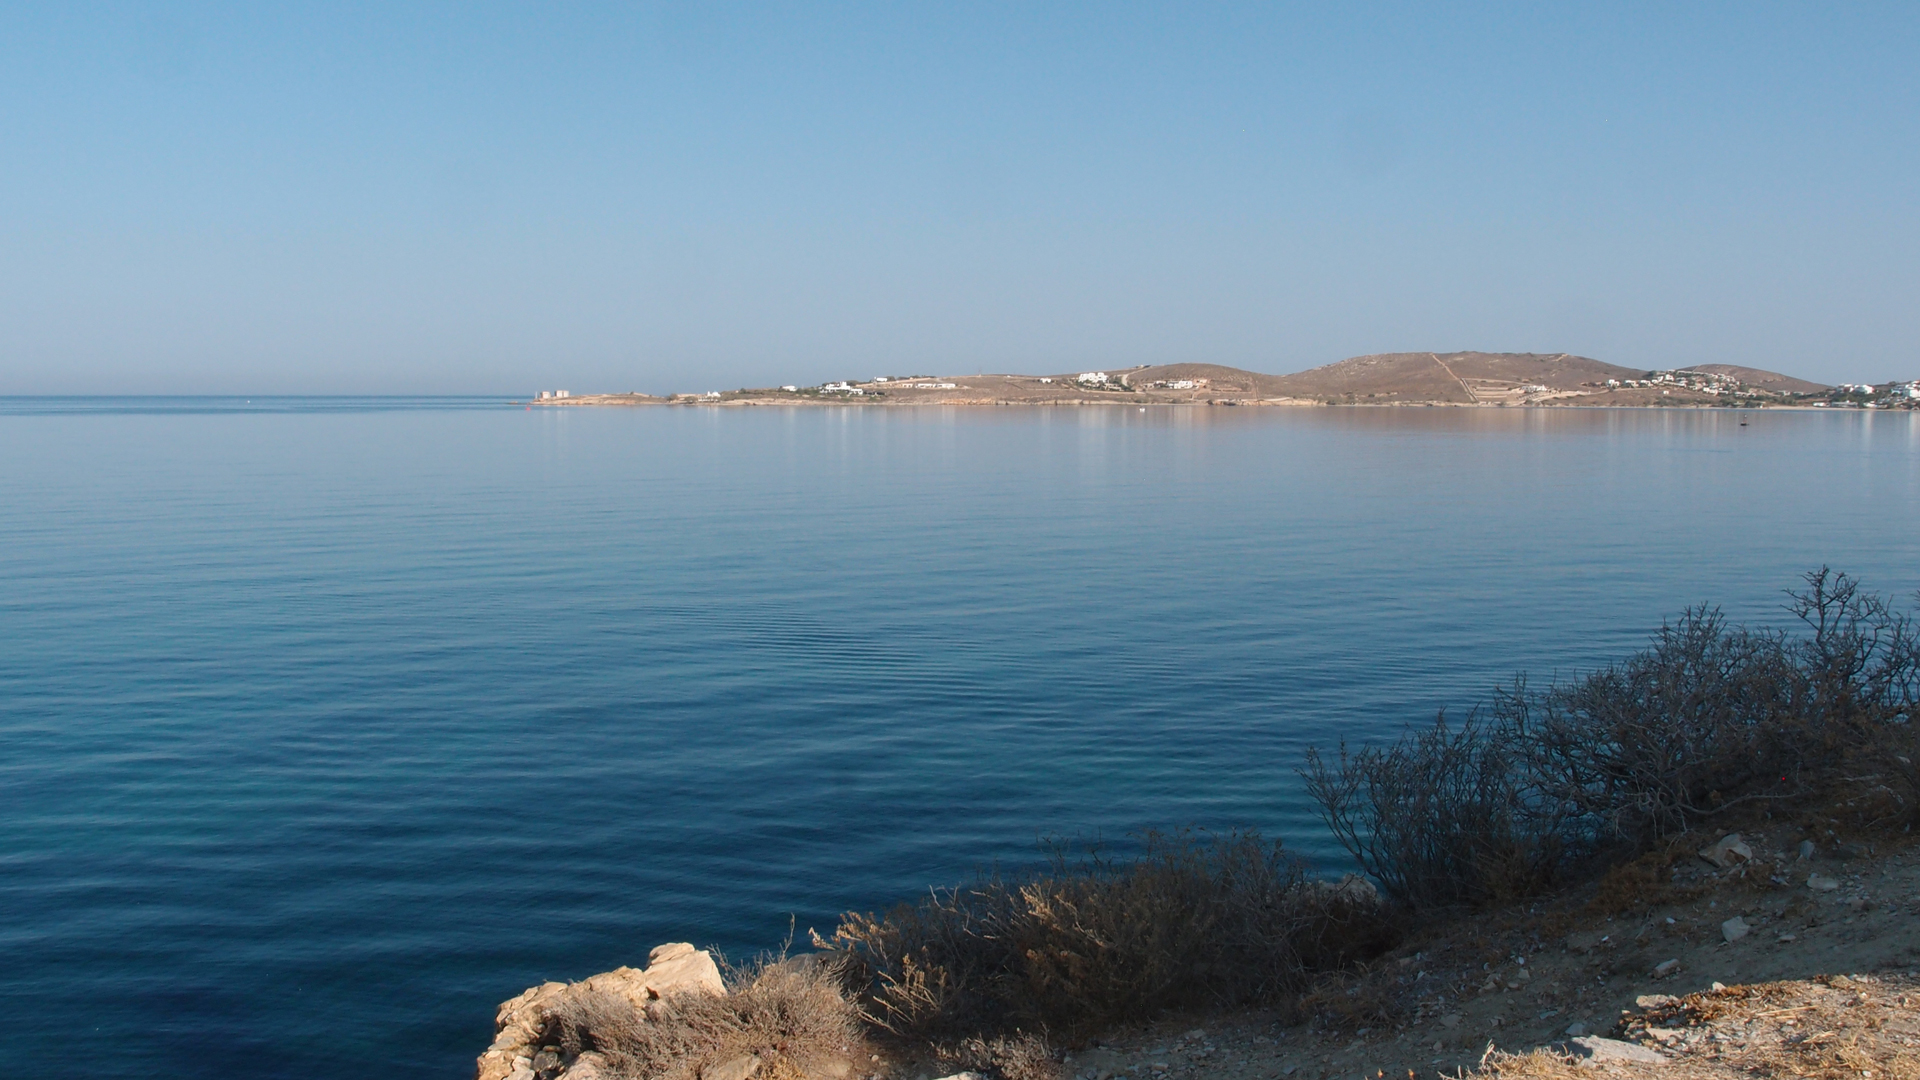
<point>792,1014</point>
<point>1191,922</point>
<point>1439,818</point>
<point>1712,721</point>
<point>1014,1057</point>
<point>1708,724</point>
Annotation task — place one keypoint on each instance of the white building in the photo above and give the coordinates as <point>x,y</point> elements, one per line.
<point>1093,378</point>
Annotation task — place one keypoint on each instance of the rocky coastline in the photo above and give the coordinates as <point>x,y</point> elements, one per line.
<point>1743,943</point>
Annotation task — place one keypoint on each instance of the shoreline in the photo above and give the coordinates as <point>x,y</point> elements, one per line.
<point>643,401</point>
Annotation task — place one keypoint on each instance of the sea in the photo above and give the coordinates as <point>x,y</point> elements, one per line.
<point>326,724</point>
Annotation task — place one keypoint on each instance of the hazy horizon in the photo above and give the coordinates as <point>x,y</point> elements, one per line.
<point>495,198</point>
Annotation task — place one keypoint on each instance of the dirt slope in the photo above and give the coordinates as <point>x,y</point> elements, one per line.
<point>1759,379</point>
<point>1818,980</point>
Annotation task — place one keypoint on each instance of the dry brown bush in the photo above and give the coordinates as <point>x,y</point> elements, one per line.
<point>1714,721</point>
<point>1439,818</point>
<point>1707,725</point>
<point>792,1014</point>
<point>1094,942</point>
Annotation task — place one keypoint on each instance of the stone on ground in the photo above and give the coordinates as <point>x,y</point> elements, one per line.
<point>1597,1049</point>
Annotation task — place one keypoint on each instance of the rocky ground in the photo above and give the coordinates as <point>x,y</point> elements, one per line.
<point>1724,969</point>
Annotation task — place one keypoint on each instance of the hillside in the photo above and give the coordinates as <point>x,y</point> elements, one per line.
<point>1462,377</point>
<point>1760,379</point>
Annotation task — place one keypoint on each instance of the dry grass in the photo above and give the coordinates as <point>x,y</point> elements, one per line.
<point>791,1014</point>
<point>1012,1057</point>
<point>1359,997</point>
<point>1647,880</point>
<point>1831,1028</point>
<point>1190,923</point>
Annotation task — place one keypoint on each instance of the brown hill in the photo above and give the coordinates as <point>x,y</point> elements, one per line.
<point>1462,377</point>
<point>1759,379</point>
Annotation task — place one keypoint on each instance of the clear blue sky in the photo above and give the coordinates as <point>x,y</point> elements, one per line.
<point>394,198</point>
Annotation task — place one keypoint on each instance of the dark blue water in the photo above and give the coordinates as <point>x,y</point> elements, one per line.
<point>326,724</point>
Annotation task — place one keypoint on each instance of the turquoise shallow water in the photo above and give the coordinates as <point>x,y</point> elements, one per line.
<point>326,724</point>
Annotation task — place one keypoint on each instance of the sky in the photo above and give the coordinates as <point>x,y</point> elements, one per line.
<point>497,198</point>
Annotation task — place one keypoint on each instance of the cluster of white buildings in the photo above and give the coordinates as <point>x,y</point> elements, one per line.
<point>1092,378</point>
<point>1701,381</point>
<point>549,395</point>
<point>851,390</point>
<point>1178,384</point>
<point>1908,390</point>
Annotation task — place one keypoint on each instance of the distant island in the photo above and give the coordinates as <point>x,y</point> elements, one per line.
<point>1414,378</point>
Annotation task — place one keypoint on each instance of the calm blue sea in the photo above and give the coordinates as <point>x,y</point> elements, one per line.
<point>326,724</point>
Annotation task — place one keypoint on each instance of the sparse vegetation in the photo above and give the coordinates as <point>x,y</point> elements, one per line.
<point>1707,723</point>
<point>1094,942</point>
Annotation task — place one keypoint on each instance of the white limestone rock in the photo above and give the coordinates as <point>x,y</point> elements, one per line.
<point>676,968</point>
<point>739,1068</point>
<point>1596,1050</point>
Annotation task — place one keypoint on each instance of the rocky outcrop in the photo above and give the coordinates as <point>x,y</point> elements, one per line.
<point>678,968</point>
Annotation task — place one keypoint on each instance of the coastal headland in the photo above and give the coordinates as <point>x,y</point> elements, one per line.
<point>1457,379</point>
